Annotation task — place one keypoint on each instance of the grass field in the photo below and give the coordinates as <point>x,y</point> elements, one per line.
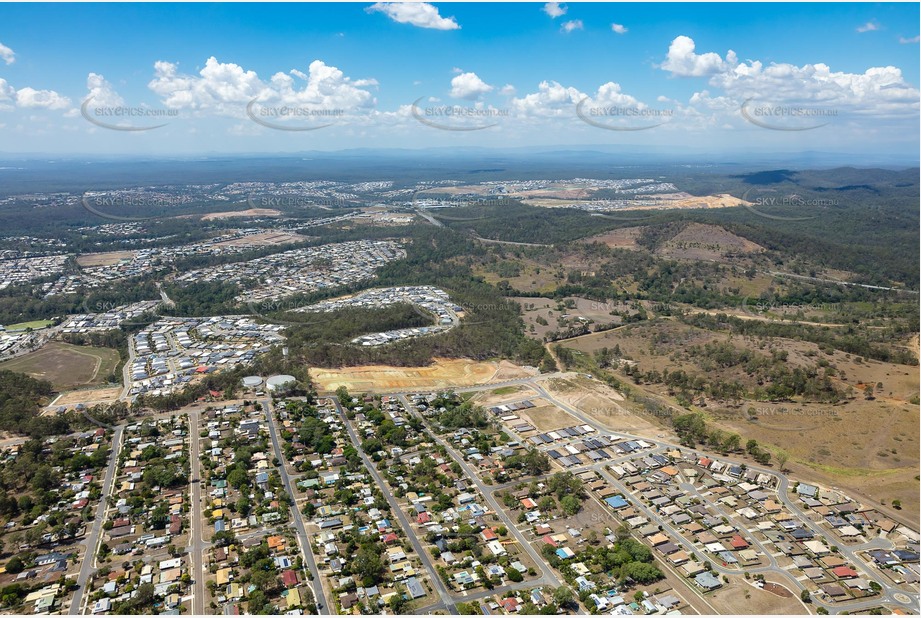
<point>34,325</point>
<point>66,366</point>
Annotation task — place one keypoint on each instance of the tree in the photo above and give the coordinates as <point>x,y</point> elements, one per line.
<point>563,596</point>
<point>368,564</point>
<point>570,505</point>
<point>514,574</point>
<point>236,478</point>
<point>804,596</point>
<point>782,457</point>
<point>15,565</point>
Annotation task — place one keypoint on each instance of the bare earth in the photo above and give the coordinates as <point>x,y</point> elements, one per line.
<point>88,396</point>
<point>252,212</point>
<point>104,259</point>
<point>443,373</point>
<point>266,239</point>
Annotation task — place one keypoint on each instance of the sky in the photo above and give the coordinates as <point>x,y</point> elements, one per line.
<point>186,79</point>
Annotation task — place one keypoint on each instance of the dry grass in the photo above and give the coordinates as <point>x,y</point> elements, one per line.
<point>104,259</point>
<point>66,366</point>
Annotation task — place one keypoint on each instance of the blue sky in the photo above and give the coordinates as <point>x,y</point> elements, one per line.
<point>840,77</point>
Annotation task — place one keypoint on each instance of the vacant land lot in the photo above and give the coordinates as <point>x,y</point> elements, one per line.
<point>252,212</point>
<point>543,315</point>
<point>547,417</point>
<point>443,373</point>
<point>104,259</point>
<point>88,396</point>
<point>34,325</point>
<point>860,444</point>
<point>66,366</point>
<point>600,402</point>
<point>266,239</point>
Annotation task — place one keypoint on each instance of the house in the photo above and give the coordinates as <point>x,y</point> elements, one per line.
<point>843,572</point>
<point>414,588</point>
<point>707,581</point>
<point>509,604</point>
<point>102,606</point>
<point>293,598</point>
<point>738,542</point>
<point>289,578</point>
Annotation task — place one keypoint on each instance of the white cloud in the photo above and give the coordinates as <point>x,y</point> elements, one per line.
<point>870,26</point>
<point>101,92</point>
<point>682,61</point>
<point>7,54</point>
<point>47,99</point>
<point>880,91</point>
<point>223,87</point>
<point>569,26</point>
<point>469,86</point>
<point>28,97</point>
<point>507,90</point>
<point>554,99</point>
<point>619,28</point>
<point>555,9</point>
<point>421,14</point>
<point>906,41</point>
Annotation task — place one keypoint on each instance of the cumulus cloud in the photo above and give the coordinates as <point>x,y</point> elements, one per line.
<point>682,61</point>
<point>7,54</point>
<point>569,26</point>
<point>101,92</point>
<point>227,86</point>
<point>507,90</point>
<point>906,41</point>
<point>552,99</point>
<point>878,90</point>
<point>46,99</point>
<point>469,86</point>
<point>30,98</point>
<point>555,9</point>
<point>421,14</point>
<point>870,26</point>
<point>619,28</point>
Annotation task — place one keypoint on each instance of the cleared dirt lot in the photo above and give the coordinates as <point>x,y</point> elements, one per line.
<point>547,417</point>
<point>600,402</point>
<point>252,212</point>
<point>266,239</point>
<point>104,259</point>
<point>88,396</point>
<point>442,373</point>
<point>739,597</point>
<point>66,366</point>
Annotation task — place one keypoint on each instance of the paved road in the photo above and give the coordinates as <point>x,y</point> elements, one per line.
<point>303,538</point>
<point>547,576</point>
<point>196,543</point>
<point>398,512</point>
<point>889,591</point>
<point>92,539</point>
